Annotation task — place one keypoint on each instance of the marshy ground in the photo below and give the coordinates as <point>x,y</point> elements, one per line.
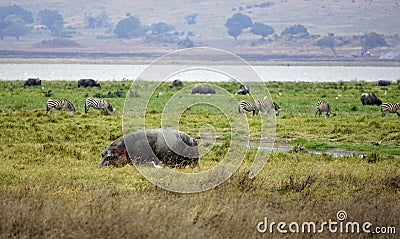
<point>50,186</point>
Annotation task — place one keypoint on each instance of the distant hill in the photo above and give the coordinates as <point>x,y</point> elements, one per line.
<point>205,22</point>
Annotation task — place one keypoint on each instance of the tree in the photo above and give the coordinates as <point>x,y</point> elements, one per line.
<point>130,27</point>
<point>13,20</point>
<point>16,10</point>
<point>237,23</point>
<point>186,43</point>
<point>234,32</point>
<point>261,29</point>
<point>191,19</point>
<point>370,41</point>
<point>296,30</point>
<point>52,20</point>
<point>328,41</point>
<point>97,21</point>
<point>15,29</point>
<point>161,28</point>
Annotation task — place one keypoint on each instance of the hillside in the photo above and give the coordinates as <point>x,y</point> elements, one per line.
<point>345,18</point>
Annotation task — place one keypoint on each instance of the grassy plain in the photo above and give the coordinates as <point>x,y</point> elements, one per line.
<point>50,186</point>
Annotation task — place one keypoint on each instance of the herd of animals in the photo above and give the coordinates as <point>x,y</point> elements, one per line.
<point>321,106</point>
<point>63,104</point>
<point>150,146</point>
<point>254,107</point>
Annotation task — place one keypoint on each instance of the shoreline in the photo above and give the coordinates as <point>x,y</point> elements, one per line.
<point>27,57</point>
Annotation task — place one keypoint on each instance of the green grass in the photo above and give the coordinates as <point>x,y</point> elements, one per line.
<point>50,186</point>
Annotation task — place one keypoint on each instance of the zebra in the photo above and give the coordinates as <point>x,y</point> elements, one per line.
<point>99,104</point>
<point>391,108</point>
<point>323,106</point>
<point>258,106</point>
<point>266,105</point>
<point>59,104</point>
<point>248,106</point>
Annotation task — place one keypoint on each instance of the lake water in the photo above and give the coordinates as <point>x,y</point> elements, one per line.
<point>118,72</point>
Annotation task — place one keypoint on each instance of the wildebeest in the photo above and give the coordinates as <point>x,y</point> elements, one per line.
<point>32,82</point>
<point>383,83</point>
<point>243,90</point>
<point>370,99</point>
<point>203,89</point>
<point>176,83</point>
<point>171,147</point>
<point>88,83</point>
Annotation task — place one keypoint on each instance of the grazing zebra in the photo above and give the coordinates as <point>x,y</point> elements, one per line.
<point>258,106</point>
<point>323,106</point>
<point>59,104</point>
<point>391,108</point>
<point>266,105</point>
<point>248,106</point>
<point>98,104</point>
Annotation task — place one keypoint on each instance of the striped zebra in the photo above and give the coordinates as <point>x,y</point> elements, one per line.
<point>248,106</point>
<point>266,106</point>
<point>391,108</point>
<point>323,106</point>
<point>100,104</point>
<point>59,104</point>
<point>258,106</point>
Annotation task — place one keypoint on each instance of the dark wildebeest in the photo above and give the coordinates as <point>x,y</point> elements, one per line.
<point>88,83</point>
<point>168,146</point>
<point>370,99</point>
<point>176,83</point>
<point>243,90</point>
<point>383,83</point>
<point>203,89</point>
<point>33,82</point>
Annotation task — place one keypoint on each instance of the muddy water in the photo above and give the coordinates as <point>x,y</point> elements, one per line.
<point>334,152</point>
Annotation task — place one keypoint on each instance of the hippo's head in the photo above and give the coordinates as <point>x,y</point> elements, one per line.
<point>108,157</point>
<point>115,154</point>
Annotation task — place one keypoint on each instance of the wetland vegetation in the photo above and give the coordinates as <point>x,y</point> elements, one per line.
<point>50,186</point>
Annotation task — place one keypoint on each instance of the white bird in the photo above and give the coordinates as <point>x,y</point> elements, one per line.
<point>156,165</point>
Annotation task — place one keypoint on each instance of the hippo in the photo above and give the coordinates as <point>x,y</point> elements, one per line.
<point>161,146</point>
<point>33,82</point>
<point>88,83</point>
<point>370,99</point>
<point>176,83</point>
<point>203,89</point>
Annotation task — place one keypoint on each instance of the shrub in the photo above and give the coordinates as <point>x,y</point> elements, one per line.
<point>58,42</point>
<point>372,157</point>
